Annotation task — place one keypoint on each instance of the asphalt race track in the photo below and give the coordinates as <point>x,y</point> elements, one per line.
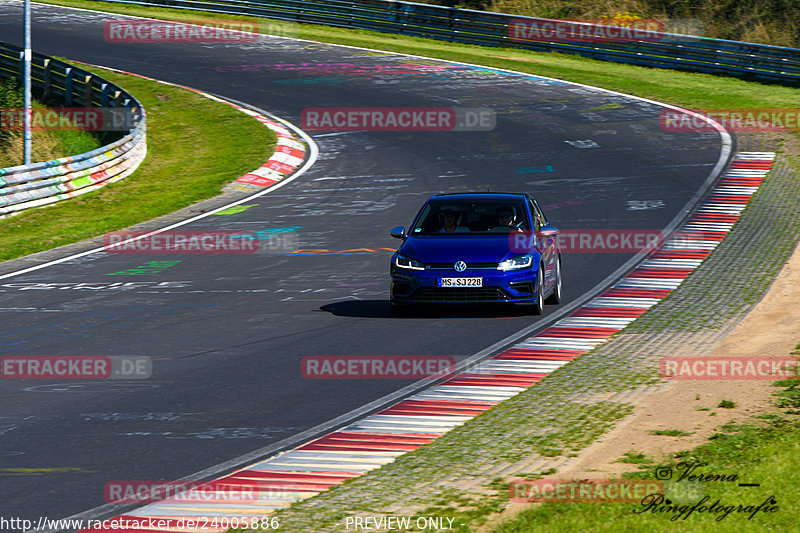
<point>227,332</point>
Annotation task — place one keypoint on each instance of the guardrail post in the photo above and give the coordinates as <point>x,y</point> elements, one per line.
<point>46,78</point>
<point>21,73</point>
<point>403,16</point>
<point>87,90</point>
<point>451,24</point>
<point>104,90</point>
<point>298,12</point>
<point>68,83</point>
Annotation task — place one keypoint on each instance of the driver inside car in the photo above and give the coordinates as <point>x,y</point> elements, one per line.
<point>449,220</point>
<point>506,218</point>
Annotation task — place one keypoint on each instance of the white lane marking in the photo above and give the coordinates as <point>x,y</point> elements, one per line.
<point>715,171</point>
<point>313,150</point>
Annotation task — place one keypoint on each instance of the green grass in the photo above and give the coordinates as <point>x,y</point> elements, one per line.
<point>191,156</point>
<point>743,20</point>
<point>45,145</point>
<point>680,88</point>
<point>77,142</point>
<point>670,432</point>
<point>691,90</point>
<point>685,89</point>
<point>766,455</point>
<point>747,451</point>
<point>634,457</point>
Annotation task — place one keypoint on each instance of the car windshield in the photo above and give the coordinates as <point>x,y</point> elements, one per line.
<point>444,215</point>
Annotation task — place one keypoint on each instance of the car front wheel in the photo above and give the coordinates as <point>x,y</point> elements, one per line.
<point>403,310</point>
<point>537,306</point>
<point>555,296</point>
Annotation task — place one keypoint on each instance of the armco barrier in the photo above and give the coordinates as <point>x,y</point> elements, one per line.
<point>667,50</point>
<point>38,184</point>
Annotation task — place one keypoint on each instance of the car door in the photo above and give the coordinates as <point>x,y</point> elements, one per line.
<point>547,245</point>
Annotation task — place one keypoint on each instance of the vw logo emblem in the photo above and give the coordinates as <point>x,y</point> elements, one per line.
<point>460,266</point>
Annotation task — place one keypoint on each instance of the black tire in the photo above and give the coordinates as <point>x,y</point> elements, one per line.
<point>555,296</point>
<point>537,307</point>
<point>402,310</point>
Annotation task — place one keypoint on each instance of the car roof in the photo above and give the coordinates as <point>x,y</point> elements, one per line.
<point>484,195</point>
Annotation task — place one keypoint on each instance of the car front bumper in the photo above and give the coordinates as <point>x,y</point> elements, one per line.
<point>421,286</point>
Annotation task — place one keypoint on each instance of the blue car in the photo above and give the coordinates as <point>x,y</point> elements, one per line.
<point>477,247</point>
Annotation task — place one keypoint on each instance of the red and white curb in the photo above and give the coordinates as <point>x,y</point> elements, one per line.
<point>289,152</point>
<point>378,439</point>
<point>288,156</point>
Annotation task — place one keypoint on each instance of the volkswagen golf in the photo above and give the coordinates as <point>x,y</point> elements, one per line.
<point>477,247</point>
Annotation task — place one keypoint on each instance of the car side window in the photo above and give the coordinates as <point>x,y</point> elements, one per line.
<point>424,222</point>
<point>540,212</point>
<point>537,216</point>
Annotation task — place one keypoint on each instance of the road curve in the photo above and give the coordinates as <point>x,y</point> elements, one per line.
<point>226,333</point>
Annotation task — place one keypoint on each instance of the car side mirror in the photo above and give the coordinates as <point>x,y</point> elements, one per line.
<point>548,231</point>
<point>398,232</point>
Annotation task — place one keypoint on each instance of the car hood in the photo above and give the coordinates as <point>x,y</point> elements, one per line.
<point>442,248</point>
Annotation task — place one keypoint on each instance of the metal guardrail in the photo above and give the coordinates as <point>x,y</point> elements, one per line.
<point>38,184</point>
<point>663,50</point>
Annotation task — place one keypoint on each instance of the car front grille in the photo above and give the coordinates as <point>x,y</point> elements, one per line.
<point>460,294</point>
<point>470,266</point>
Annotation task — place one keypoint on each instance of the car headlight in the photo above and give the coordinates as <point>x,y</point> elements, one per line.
<point>401,261</point>
<point>515,263</point>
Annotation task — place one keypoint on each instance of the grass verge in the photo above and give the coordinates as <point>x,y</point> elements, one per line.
<point>679,88</point>
<point>45,145</point>
<point>741,454</point>
<point>191,155</point>
<point>182,154</point>
<point>490,431</point>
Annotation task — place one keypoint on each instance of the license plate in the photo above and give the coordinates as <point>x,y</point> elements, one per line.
<point>460,282</point>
